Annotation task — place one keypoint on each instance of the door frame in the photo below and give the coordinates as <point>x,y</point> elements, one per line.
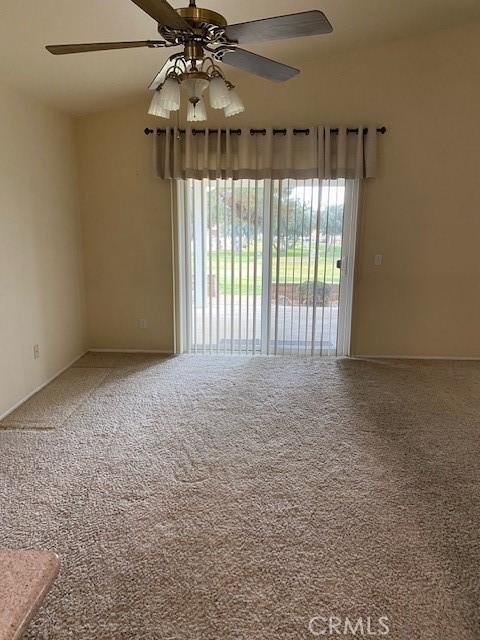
<point>181,312</point>
<point>347,269</point>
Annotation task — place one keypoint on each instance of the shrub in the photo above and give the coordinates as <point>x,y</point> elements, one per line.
<point>306,293</point>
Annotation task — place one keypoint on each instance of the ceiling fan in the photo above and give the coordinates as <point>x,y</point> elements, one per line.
<point>207,38</point>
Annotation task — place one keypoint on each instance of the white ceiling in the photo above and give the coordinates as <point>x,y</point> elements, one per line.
<point>83,83</point>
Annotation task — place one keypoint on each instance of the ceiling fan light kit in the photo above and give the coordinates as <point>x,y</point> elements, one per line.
<point>197,112</point>
<point>169,95</point>
<point>235,105</point>
<point>195,80</point>
<point>219,93</point>
<point>156,109</point>
<point>206,39</point>
<point>194,85</point>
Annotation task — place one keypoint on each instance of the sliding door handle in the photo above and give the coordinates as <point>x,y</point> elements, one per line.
<point>339,264</point>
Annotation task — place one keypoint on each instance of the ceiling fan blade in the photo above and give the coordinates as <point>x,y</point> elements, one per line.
<point>253,63</point>
<point>295,25</point>
<point>160,77</point>
<point>62,49</point>
<point>163,13</point>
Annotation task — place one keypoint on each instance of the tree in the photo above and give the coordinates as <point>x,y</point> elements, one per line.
<point>237,208</point>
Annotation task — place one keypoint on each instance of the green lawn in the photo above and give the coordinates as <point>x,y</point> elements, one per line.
<point>291,268</point>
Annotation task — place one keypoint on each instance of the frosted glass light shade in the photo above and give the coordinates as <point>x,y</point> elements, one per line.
<point>155,109</point>
<point>197,112</point>
<point>170,95</point>
<point>194,87</point>
<point>219,93</point>
<point>235,106</point>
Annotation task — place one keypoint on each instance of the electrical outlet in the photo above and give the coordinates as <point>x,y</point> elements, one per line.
<point>142,324</point>
<point>36,352</point>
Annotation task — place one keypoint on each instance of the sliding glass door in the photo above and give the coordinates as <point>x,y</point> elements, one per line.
<point>262,266</point>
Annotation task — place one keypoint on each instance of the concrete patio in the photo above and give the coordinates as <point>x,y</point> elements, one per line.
<point>234,325</point>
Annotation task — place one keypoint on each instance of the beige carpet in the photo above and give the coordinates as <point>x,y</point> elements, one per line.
<point>221,498</point>
<point>50,408</point>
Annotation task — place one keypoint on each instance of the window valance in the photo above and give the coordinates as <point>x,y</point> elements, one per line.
<point>314,152</point>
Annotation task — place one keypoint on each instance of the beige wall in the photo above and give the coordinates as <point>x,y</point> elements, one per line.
<point>422,212</point>
<point>41,279</point>
<point>127,234</point>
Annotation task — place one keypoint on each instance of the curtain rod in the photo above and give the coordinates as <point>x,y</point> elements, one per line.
<point>263,132</point>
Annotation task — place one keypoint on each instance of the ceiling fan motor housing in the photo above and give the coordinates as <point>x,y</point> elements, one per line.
<point>200,21</point>
<point>203,24</point>
<point>198,17</point>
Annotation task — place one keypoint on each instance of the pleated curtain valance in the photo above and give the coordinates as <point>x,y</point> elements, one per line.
<point>316,152</point>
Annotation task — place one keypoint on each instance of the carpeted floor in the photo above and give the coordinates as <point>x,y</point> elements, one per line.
<point>205,498</point>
